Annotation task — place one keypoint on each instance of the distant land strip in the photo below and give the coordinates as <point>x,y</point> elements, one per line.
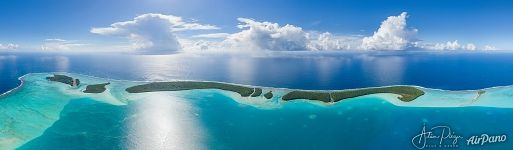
<point>191,85</point>
<point>406,93</point>
<point>96,88</point>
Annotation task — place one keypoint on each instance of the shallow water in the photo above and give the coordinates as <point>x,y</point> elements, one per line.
<point>50,115</point>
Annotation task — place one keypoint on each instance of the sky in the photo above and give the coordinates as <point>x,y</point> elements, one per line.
<point>244,25</point>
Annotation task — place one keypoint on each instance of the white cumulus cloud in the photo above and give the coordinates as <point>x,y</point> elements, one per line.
<point>268,36</point>
<point>256,35</point>
<point>200,45</point>
<point>60,44</point>
<point>449,45</point>
<point>157,33</point>
<point>327,41</point>
<point>393,34</point>
<point>9,46</point>
<point>489,47</point>
<point>470,46</point>
<point>152,32</point>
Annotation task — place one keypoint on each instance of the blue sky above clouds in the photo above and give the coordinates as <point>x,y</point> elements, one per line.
<point>170,25</point>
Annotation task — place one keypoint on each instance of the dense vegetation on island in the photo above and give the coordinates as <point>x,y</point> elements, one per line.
<point>481,92</point>
<point>269,95</point>
<point>96,88</point>
<point>258,92</point>
<point>309,95</point>
<point>407,93</point>
<point>190,85</point>
<point>64,79</point>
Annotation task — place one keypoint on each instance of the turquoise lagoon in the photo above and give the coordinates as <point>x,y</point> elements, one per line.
<point>41,114</point>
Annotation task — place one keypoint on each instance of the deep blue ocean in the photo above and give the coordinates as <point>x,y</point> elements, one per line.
<point>209,120</point>
<point>440,70</point>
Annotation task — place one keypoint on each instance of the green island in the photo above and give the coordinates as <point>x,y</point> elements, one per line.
<point>407,93</point>
<point>64,79</point>
<point>190,85</point>
<point>258,92</point>
<point>269,95</point>
<point>309,95</point>
<point>96,88</point>
<point>481,92</point>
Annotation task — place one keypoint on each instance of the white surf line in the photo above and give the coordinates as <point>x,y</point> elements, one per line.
<point>16,88</point>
